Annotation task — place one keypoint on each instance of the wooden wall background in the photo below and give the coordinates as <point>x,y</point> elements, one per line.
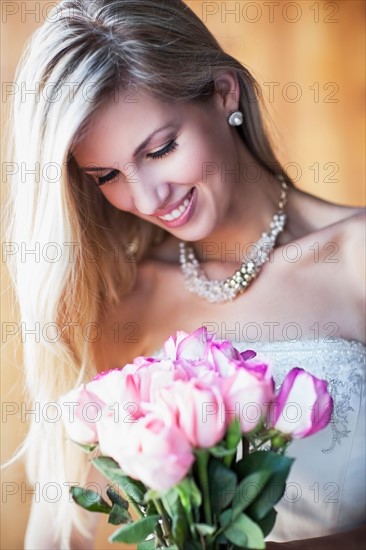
<point>309,58</point>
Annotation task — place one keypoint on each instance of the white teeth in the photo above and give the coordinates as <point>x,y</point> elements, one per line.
<point>177,212</point>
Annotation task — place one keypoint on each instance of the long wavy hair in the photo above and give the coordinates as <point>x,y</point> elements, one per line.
<point>83,53</point>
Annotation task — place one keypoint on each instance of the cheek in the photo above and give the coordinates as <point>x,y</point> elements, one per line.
<point>194,165</point>
<point>119,196</point>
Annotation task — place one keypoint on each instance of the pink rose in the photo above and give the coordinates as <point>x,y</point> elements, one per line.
<point>247,394</point>
<point>114,386</point>
<point>191,347</point>
<point>226,359</point>
<point>303,405</point>
<point>82,407</point>
<point>81,410</point>
<point>199,410</point>
<point>152,449</point>
<point>150,377</point>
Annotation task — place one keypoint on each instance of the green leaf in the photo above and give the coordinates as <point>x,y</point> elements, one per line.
<point>204,529</point>
<point>116,498</point>
<point>233,435</point>
<point>87,448</point>
<point>169,500</point>
<point>222,485</point>
<point>225,518</point>
<point>89,500</point>
<point>151,509</point>
<point>180,526</point>
<point>267,523</point>
<point>189,545</point>
<point>111,470</point>
<point>243,532</point>
<point>279,466</point>
<point>220,451</point>
<point>119,515</point>
<point>261,460</point>
<point>150,545</point>
<point>189,493</point>
<point>151,494</point>
<point>147,544</point>
<point>249,489</point>
<point>136,531</point>
<point>185,500</point>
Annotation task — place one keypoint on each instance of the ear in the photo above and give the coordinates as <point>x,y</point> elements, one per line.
<point>227,91</point>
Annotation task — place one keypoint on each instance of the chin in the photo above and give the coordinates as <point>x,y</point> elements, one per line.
<point>193,234</point>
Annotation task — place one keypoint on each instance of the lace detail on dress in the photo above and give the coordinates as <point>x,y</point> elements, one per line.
<point>342,394</point>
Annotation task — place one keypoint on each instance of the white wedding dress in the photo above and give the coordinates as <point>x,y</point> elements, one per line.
<point>325,490</point>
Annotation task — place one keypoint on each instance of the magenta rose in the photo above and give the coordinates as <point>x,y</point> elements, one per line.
<point>191,347</point>
<point>303,405</point>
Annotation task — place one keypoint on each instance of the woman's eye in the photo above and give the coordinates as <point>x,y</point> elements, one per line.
<point>156,155</point>
<point>108,177</point>
<point>164,151</point>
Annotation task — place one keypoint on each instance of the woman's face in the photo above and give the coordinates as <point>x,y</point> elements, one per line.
<point>167,163</point>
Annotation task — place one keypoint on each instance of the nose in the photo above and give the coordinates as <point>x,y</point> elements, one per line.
<point>149,196</point>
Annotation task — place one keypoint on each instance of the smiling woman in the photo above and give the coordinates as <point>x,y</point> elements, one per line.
<point>173,211</point>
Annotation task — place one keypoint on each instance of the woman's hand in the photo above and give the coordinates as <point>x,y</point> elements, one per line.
<point>350,540</point>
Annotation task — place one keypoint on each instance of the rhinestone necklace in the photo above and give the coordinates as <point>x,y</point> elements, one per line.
<point>223,291</point>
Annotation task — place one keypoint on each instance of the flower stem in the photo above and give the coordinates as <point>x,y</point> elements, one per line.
<point>202,461</point>
<point>164,516</point>
<point>160,536</point>
<point>245,444</point>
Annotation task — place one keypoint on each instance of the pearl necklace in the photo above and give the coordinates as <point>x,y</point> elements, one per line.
<point>223,291</point>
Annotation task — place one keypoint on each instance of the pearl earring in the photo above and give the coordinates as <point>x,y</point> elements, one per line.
<point>236,118</point>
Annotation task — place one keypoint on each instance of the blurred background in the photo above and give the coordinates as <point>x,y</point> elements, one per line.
<point>309,59</point>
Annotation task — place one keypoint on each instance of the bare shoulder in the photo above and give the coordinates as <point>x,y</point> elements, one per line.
<point>342,226</point>
<point>353,234</point>
<point>311,213</point>
<point>347,226</point>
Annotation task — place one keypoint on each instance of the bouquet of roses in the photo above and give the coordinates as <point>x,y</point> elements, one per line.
<point>192,443</point>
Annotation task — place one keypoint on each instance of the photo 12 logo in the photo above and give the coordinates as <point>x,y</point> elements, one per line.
<point>253,12</point>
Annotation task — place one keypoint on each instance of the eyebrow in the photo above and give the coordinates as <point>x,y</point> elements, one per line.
<point>136,151</point>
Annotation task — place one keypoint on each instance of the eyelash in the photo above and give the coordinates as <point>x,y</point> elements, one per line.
<point>169,148</point>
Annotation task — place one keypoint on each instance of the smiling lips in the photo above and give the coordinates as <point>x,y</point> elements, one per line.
<point>181,212</point>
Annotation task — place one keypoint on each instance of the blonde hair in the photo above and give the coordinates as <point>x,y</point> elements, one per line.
<point>83,53</point>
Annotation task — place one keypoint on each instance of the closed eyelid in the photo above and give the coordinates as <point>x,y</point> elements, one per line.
<point>156,154</point>
<point>115,166</point>
<point>166,143</point>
